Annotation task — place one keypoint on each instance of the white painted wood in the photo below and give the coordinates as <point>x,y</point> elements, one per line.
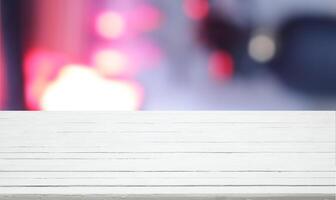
<point>167,152</point>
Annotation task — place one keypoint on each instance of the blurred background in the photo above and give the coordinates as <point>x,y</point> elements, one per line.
<point>167,55</point>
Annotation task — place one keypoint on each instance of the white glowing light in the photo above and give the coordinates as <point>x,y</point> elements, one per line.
<point>262,48</point>
<point>110,25</point>
<point>81,88</point>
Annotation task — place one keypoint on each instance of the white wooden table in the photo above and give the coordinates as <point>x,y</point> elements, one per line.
<point>198,154</point>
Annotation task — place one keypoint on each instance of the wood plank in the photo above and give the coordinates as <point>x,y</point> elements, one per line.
<point>167,153</point>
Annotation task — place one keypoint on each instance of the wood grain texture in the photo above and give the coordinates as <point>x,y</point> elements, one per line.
<point>167,153</point>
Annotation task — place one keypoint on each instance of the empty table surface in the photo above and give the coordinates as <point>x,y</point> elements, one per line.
<point>168,153</point>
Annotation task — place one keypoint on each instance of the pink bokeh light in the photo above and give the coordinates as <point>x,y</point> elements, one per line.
<point>110,25</point>
<point>40,67</point>
<point>221,65</point>
<point>196,9</point>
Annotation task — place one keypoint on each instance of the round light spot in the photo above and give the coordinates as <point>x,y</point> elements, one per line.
<point>110,25</point>
<point>221,65</point>
<point>262,48</point>
<point>196,9</point>
<point>110,62</point>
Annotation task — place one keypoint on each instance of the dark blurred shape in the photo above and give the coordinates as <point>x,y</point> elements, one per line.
<point>220,33</point>
<point>305,58</point>
<point>12,32</point>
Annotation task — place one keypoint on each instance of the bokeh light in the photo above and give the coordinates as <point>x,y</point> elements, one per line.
<point>151,15</point>
<point>110,62</point>
<point>221,65</point>
<point>81,88</point>
<point>40,66</point>
<point>196,9</point>
<point>110,25</point>
<point>262,48</point>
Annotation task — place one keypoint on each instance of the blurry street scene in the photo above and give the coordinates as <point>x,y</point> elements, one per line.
<point>167,55</point>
